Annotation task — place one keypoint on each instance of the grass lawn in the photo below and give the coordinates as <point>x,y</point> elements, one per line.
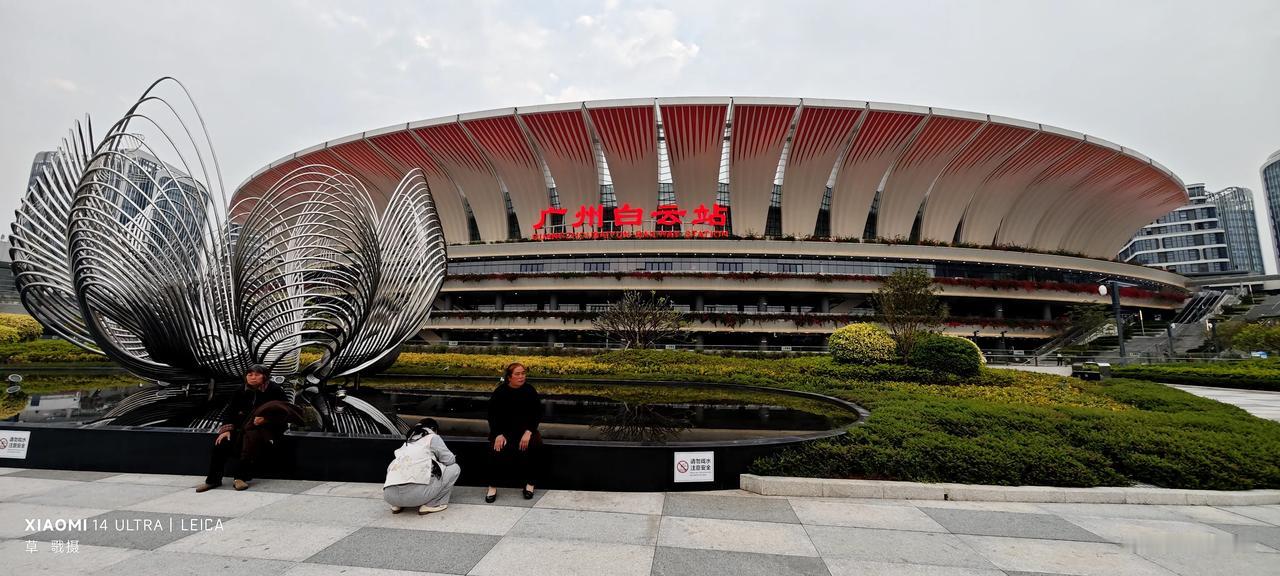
<point>1000,427</point>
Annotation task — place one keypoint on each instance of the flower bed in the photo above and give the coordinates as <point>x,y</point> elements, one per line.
<point>1169,295</point>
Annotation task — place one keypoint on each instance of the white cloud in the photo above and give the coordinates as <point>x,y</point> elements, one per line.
<point>423,41</point>
<point>64,85</point>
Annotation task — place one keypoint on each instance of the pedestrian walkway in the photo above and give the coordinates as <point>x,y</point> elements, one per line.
<point>1260,403</point>
<point>67,522</point>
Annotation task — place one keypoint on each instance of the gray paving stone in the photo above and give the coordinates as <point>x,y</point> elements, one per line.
<point>408,550</point>
<point>638,529</point>
<point>1199,562</point>
<point>895,546</point>
<point>1148,512</point>
<point>1012,524</point>
<point>729,508</point>
<point>692,562</point>
<point>322,510</point>
<point>77,475</point>
<point>1158,536</point>
<point>175,480</point>
<point>629,502</point>
<point>132,529</point>
<point>14,489</point>
<point>889,517</point>
<point>542,557</point>
<point>469,518</point>
<point>100,495</point>
<point>14,516</point>
<point>266,539</point>
<point>162,563</point>
<point>349,489</point>
<point>221,502</point>
<point>735,535</point>
<point>1062,557</point>
<point>1267,535</point>
<point>308,569</point>
<point>6,470</point>
<point>852,567</point>
<point>506,496</point>
<point>283,486</point>
<point>15,560</point>
<point>1268,514</point>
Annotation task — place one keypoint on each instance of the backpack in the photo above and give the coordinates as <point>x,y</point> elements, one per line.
<point>415,463</point>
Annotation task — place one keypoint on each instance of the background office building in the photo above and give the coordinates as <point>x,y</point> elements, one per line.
<point>1271,187</point>
<point>1236,213</point>
<point>1189,240</point>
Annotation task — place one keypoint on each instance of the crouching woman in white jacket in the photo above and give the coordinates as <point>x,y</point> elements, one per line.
<point>423,472</point>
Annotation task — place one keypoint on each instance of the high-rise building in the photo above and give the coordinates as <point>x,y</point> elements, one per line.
<point>1235,211</point>
<point>1271,188</point>
<point>1189,240</point>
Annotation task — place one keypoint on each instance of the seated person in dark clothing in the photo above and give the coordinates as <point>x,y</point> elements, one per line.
<point>245,437</point>
<point>514,413</point>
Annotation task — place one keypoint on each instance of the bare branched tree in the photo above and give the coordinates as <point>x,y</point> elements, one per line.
<point>640,320</point>
<point>907,302</point>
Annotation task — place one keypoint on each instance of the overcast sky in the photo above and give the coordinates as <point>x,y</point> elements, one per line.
<point>1193,84</point>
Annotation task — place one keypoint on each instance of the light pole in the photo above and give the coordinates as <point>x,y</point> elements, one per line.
<point>1169,330</point>
<point>1115,308</point>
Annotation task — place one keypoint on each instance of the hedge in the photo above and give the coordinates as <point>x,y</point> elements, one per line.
<point>1245,374</point>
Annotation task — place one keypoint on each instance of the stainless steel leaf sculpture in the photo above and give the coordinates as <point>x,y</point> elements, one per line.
<point>128,247</point>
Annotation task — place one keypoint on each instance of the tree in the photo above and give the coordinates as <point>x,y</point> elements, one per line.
<point>640,320</point>
<point>1086,317</point>
<point>908,303</point>
<point>1260,336</point>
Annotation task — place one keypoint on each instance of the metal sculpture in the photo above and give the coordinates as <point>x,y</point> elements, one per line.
<point>127,246</point>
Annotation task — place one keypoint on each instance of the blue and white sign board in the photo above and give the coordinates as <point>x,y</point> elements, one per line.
<point>695,467</point>
<point>13,444</point>
<point>1258,354</point>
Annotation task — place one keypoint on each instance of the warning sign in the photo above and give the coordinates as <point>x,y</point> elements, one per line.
<point>695,467</point>
<point>13,444</point>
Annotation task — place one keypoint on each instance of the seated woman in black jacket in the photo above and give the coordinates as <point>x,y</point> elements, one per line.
<point>514,413</point>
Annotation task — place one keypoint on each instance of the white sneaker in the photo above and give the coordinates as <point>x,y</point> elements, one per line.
<point>424,509</point>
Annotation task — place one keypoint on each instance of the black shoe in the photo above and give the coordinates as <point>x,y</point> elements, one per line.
<point>528,494</point>
<point>489,498</point>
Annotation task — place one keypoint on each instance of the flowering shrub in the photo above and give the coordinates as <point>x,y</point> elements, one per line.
<point>861,343</point>
<point>1168,295</point>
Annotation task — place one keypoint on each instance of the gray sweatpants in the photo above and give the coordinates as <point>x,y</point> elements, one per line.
<point>433,494</point>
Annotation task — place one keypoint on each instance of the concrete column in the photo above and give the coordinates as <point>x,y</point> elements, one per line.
<point>999,310</point>
<point>825,304</point>
<point>497,301</point>
<point>446,302</point>
<point>494,339</point>
<point>764,343</point>
<point>697,302</point>
<point>551,338</point>
<point>762,304</point>
<point>554,303</point>
<point>697,342</point>
<point>1048,311</point>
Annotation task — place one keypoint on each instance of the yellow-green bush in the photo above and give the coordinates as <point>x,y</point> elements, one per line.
<point>18,328</point>
<point>862,343</point>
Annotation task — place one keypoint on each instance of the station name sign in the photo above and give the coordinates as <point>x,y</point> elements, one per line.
<point>588,222</point>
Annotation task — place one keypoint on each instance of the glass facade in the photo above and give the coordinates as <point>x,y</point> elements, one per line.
<point>1235,209</point>
<point>1271,188</point>
<point>1189,240</point>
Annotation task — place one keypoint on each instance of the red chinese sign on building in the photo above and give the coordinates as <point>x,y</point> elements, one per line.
<point>589,222</point>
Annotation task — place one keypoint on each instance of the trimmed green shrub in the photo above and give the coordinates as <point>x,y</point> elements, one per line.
<point>947,354</point>
<point>1245,374</point>
<point>46,351</point>
<point>862,343</point>
<point>20,328</point>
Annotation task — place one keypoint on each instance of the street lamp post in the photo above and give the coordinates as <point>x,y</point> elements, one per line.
<point>1115,307</point>
<point>1169,330</point>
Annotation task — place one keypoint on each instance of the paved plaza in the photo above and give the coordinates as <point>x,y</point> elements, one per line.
<point>156,525</point>
<point>1260,403</point>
